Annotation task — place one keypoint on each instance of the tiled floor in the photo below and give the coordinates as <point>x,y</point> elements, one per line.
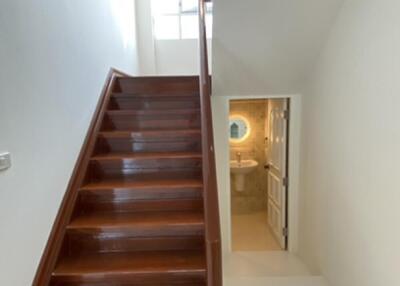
<point>263,264</point>
<point>250,232</point>
<point>267,268</point>
<point>276,281</point>
<point>257,259</point>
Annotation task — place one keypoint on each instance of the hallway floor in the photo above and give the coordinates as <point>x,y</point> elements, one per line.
<point>258,260</point>
<point>267,268</point>
<point>250,232</point>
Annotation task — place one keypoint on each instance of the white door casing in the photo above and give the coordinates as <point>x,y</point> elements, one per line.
<point>277,172</point>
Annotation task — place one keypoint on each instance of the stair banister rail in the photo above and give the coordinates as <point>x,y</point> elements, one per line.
<point>211,208</point>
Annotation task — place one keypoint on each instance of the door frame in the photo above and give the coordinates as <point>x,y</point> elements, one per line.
<point>220,105</point>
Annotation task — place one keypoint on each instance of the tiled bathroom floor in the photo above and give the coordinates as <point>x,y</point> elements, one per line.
<point>250,232</point>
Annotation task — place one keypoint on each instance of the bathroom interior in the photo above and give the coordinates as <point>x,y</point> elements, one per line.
<point>258,131</point>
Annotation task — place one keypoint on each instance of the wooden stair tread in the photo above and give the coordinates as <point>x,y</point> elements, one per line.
<point>194,95</point>
<point>159,78</point>
<point>147,155</point>
<point>148,133</point>
<point>134,213</point>
<point>132,263</point>
<point>153,111</point>
<point>110,220</point>
<point>129,184</point>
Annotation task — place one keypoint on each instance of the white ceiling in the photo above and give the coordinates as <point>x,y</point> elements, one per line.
<point>267,46</point>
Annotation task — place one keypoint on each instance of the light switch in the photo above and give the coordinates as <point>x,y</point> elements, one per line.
<point>5,161</point>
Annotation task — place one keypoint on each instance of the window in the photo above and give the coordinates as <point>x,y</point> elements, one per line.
<point>178,19</point>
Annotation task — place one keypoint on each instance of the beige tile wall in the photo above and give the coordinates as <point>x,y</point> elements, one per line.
<point>254,198</point>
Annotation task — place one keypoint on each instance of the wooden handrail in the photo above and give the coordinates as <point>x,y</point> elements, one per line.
<point>211,208</point>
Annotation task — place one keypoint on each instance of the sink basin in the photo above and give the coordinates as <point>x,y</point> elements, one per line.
<point>244,167</point>
<point>240,170</point>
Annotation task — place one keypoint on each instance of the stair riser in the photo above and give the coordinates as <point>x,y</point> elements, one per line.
<point>145,231</point>
<point>155,145</point>
<point>92,204</point>
<point>54,283</point>
<point>159,85</point>
<point>142,194</point>
<point>130,122</point>
<point>195,278</point>
<point>154,103</point>
<point>138,218</point>
<point>151,135</point>
<point>84,243</point>
<point>97,172</point>
<point>136,165</point>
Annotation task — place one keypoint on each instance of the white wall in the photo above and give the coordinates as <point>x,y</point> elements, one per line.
<point>164,57</point>
<point>146,44</point>
<point>267,46</point>
<point>54,59</point>
<point>220,112</point>
<point>263,47</point>
<point>179,57</point>
<point>351,149</point>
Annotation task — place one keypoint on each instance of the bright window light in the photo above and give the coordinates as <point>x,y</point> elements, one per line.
<point>189,27</point>
<point>189,6</point>
<point>167,27</point>
<point>178,19</point>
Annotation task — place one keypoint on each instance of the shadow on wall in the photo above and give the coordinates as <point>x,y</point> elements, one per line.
<point>122,13</point>
<point>227,61</point>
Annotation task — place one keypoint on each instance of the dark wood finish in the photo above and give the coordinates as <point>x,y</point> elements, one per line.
<point>134,212</point>
<point>181,85</point>
<point>125,120</point>
<point>130,101</point>
<point>141,207</point>
<point>136,268</point>
<point>150,134</point>
<point>139,224</point>
<point>86,243</point>
<point>101,204</point>
<point>211,207</point>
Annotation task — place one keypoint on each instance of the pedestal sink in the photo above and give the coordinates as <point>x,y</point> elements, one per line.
<point>240,170</point>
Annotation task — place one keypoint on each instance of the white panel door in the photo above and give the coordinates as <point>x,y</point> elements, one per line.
<point>277,174</point>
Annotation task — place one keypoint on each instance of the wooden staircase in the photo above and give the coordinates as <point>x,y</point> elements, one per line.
<point>138,214</point>
<point>141,207</point>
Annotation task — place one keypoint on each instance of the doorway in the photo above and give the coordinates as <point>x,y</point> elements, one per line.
<point>259,177</point>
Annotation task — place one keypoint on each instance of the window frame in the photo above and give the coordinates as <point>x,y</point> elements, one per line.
<point>180,14</point>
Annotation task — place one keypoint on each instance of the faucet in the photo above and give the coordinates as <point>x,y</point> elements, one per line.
<point>239,157</point>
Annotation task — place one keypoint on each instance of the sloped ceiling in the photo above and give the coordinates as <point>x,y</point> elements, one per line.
<point>267,46</point>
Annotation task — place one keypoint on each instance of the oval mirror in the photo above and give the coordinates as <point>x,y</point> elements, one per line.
<point>239,128</point>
